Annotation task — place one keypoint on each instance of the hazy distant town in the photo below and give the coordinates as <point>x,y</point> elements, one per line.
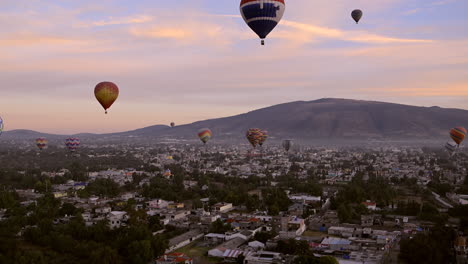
<point>188,203</point>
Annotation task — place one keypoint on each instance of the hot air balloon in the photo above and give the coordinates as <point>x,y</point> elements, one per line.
<point>204,134</point>
<point>262,16</point>
<point>356,15</point>
<point>263,138</point>
<point>451,147</point>
<point>172,124</point>
<point>1,125</point>
<point>72,143</point>
<point>458,134</point>
<point>106,93</point>
<point>254,136</point>
<point>41,143</point>
<point>167,173</point>
<point>287,143</point>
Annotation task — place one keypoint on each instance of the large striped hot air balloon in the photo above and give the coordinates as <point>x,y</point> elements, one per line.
<point>1,125</point>
<point>41,143</point>
<point>458,134</point>
<point>106,93</point>
<point>72,143</point>
<point>205,135</point>
<point>263,138</point>
<point>254,136</point>
<point>262,16</point>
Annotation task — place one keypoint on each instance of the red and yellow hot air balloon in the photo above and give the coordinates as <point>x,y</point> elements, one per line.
<point>204,134</point>
<point>254,136</point>
<point>458,134</point>
<point>106,93</point>
<point>41,143</point>
<point>263,138</point>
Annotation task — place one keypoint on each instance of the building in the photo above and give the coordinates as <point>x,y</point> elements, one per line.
<point>370,205</point>
<point>223,207</point>
<point>117,219</point>
<point>220,250</point>
<point>173,258</point>
<point>461,249</point>
<point>183,240</point>
<point>335,243</point>
<point>264,257</point>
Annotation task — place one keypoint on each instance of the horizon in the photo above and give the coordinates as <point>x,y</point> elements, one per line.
<point>207,119</point>
<point>207,63</point>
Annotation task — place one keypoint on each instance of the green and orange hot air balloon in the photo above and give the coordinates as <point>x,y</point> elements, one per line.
<point>106,93</point>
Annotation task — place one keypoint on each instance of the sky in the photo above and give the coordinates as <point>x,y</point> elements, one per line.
<point>190,60</point>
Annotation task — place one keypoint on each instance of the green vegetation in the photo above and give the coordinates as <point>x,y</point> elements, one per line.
<point>43,241</point>
<point>433,247</point>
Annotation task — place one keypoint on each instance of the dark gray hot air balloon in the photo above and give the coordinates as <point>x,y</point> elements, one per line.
<point>356,15</point>
<point>287,143</point>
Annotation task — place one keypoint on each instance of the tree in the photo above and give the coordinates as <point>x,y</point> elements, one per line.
<point>105,255</point>
<point>219,227</point>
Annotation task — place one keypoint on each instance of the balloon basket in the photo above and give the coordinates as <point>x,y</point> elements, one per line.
<point>262,42</point>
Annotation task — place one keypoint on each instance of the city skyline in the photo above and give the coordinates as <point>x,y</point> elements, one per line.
<point>206,63</point>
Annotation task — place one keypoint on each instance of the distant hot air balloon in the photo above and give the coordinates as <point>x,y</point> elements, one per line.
<point>1,125</point>
<point>451,147</point>
<point>167,173</point>
<point>287,143</point>
<point>263,138</point>
<point>72,143</point>
<point>106,93</point>
<point>458,134</point>
<point>41,143</point>
<point>262,16</point>
<point>356,15</point>
<point>172,124</point>
<point>204,134</point>
<point>254,136</point>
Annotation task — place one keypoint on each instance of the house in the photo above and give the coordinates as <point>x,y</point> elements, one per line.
<point>367,220</point>
<point>461,249</point>
<point>103,210</point>
<point>183,240</point>
<point>256,245</point>
<point>117,219</point>
<point>335,243</point>
<point>223,207</point>
<point>220,250</point>
<point>173,258</point>
<point>157,204</point>
<point>370,205</point>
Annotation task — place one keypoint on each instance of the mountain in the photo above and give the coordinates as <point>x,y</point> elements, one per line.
<point>320,119</point>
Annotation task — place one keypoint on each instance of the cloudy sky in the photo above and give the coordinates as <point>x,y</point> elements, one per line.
<point>188,60</point>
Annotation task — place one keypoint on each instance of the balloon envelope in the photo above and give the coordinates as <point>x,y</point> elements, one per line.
<point>72,143</point>
<point>106,93</point>
<point>204,134</point>
<point>458,134</point>
<point>262,16</point>
<point>41,143</point>
<point>287,143</point>
<point>356,15</point>
<point>254,136</point>
<point>172,124</point>
<point>263,138</point>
